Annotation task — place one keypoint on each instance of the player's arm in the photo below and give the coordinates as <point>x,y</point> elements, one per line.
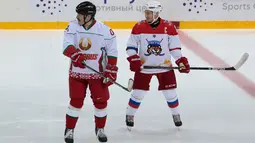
<point>68,43</point>
<point>132,49</point>
<point>174,44</point>
<point>133,41</point>
<point>69,49</point>
<point>112,55</point>
<point>111,46</point>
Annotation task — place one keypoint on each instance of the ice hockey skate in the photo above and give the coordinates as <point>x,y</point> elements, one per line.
<point>129,121</point>
<point>69,133</point>
<point>101,136</point>
<point>177,120</point>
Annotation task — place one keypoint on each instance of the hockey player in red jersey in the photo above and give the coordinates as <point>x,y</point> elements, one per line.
<point>153,42</point>
<point>86,39</point>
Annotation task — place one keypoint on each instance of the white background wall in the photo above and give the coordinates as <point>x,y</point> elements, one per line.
<point>127,10</point>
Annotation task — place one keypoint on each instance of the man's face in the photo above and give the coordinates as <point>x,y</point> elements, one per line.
<point>81,20</point>
<point>150,16</point>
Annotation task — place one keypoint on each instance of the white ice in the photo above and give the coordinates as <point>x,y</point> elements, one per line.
<point>34,94</point>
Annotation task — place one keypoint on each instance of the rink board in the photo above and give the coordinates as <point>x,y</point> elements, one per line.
<point>130,24</point>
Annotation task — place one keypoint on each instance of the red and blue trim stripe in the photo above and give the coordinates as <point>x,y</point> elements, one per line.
<point>132,48</point>
<point>134,104</point>
<point>173,104</point>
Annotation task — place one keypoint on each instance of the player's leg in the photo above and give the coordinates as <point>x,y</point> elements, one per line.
<point>167,84</point>
<point>100,95</point>
<point>77,92</point>
<point>140,88</point>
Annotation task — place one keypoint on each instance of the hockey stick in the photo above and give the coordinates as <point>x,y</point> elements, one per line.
<point>233,68</point>
<point>130,81</point>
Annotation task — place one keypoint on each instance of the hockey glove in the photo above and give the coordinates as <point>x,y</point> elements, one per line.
<point>135,63</point>
<point>75,55</point>
<point>183,64</point>
<point>77,59</point>
<point>110,73</point>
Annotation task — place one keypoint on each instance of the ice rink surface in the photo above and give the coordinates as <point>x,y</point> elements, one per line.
<point>34,94</point>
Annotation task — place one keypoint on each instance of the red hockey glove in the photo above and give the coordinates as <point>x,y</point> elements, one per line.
<point>183,64</point>
<point>76,57</point>
<point>135,63</point>
<point>110,73</point>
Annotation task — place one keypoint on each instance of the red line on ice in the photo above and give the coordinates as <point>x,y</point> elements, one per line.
<point>236,77</point>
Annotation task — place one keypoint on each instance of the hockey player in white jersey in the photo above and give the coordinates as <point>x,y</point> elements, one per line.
<point>86,39</point>
<point>153,42</point>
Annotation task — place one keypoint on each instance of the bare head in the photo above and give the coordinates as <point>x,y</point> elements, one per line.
<point>152,10</point>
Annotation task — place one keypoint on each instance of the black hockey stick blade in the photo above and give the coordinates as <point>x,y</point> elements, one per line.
<point>130,82</point>
<point>243,59</point>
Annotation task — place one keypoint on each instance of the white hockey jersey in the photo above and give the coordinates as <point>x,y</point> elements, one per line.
<point>96,43</point>
<point>154,46</point>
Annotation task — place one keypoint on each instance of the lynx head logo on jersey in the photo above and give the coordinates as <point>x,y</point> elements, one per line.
<point>85,44</point>
<point>154,47</point>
